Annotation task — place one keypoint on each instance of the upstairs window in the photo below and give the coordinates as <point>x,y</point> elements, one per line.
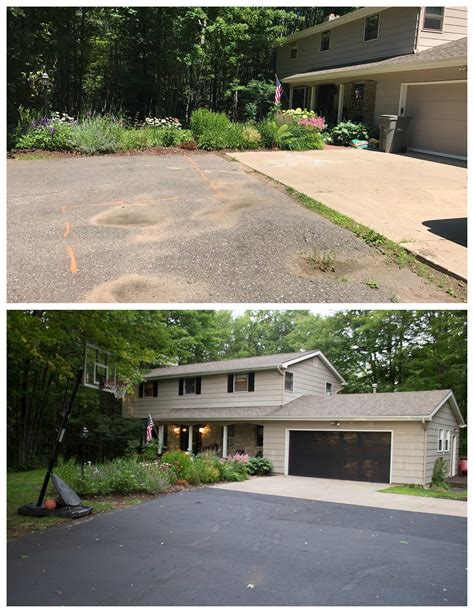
<point>189,386</point>
<point>433,18</point>
<point>293,51</point>
<point>329,389</point>
<point>148,389</point>
<point>241,382</point>
<point>371,31</point>
<point>325,40</point>
<point>289,381</point>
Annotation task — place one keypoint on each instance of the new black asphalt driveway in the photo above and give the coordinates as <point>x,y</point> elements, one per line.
<point>181,228</point>
<point>213,547</point>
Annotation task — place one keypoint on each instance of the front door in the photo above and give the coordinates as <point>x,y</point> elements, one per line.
<point>184,438</point>
<point>326,95</point>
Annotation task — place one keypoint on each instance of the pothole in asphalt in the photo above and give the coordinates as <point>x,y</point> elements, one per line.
<point>327,262</point>
<point>139,288</point>
<point>126,215</point>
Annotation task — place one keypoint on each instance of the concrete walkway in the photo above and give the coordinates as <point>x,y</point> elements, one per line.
<point>417,201</point>
<point>346,492</point>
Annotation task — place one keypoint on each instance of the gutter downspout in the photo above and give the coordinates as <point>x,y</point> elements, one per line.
<point>417,30</point>
<point>282,373</point>
<point>425,439</point>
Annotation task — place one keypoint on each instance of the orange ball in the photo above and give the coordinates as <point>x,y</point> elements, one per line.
<point>50,504</point>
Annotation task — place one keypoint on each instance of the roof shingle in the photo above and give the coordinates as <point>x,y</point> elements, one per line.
<point>341,406</point>
<point>232,365</point>
<point>454,50</point>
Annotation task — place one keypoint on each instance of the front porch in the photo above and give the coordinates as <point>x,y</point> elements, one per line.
<point>337,101</point>
<point>223,439</point>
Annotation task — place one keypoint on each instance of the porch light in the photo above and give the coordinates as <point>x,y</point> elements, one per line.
<point>203,430</point>
<point>176,429</point>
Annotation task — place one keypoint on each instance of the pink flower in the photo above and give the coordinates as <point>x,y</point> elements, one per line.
<point>318,123</point>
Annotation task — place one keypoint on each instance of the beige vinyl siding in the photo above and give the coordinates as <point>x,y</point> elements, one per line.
<point>268,392</point>
<point>388,86</point>
<point>454,27</point>
<point>444,419</point>
<point>397,35</point>
<point>407,444</point>
<point>309,378</point>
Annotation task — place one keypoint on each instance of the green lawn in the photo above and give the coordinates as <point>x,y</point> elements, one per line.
<point>24,487</point>
<point>418,490</point>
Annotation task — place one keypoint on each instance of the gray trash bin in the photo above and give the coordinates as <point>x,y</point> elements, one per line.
<point>392,133</point>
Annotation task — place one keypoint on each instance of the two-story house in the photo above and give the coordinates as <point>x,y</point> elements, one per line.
<point>288,408</point>
<point>407,61</point>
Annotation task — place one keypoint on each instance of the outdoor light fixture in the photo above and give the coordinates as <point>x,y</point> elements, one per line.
<point>176,430</point>
<point>202,430</point>
<point>85,432</point>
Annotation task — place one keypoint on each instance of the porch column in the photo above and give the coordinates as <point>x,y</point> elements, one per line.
<point>190,439</point>
<point>290,103</point>
<point>224,441</point>
<point>313,95</point>
<point>340,103</point>
<point>161,436</point>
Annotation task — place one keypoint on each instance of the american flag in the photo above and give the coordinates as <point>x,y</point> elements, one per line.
<point>150,426</point>
<point>278,90</point>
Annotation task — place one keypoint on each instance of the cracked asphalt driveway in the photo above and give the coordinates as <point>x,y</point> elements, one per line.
<point>212,547</point>
<point>191,227</point>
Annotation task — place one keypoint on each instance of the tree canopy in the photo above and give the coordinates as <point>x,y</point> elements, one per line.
<point>398,350</point>
<point>149,60</point>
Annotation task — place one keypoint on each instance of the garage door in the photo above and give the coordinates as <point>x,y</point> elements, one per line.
<point>357,456</point>
<point>438,118</point>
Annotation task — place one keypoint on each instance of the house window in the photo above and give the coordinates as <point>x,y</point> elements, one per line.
<point>189,386</point>
<point>447,440</point>
<point>293,51</point>
<point>241,383</point>
<point>371,31</point>
<point>440,440</point>
<point>148,389</point>
<point>325,40</point>
<point>289,381</point>
<point>433,18</point>
<point>328,389</point>
<point>259,436</point>
<point>358,91</point>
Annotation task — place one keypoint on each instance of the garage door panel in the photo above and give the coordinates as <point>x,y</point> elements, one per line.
<point>438,118</point>
<point>356,456</point>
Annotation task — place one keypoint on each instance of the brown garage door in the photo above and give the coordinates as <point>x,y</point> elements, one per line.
<point>438,118</point>
<point>356,456</point>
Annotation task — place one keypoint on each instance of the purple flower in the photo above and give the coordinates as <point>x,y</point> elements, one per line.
<point>41,122</point>
<point>52,130</point>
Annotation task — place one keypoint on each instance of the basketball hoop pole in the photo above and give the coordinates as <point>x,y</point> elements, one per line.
<point>60,435</point>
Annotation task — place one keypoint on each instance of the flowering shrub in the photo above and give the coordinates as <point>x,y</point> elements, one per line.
<point>163,122</point>
<point>238,457</point>
<point>318,123</point>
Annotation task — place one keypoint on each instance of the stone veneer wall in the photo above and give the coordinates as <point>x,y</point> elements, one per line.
<point>368,103</point>
<point>245,437</point>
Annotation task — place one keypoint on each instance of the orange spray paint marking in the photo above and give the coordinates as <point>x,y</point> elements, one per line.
<point>67,230</point>
<point>72,257</point>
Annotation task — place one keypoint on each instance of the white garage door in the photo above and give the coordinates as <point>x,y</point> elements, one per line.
<point>438,114</point>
